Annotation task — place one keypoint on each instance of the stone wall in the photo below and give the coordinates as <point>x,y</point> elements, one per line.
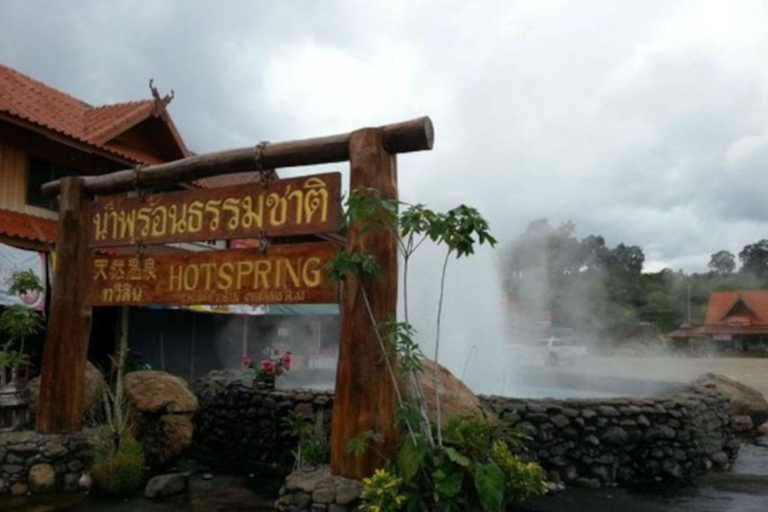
<point>32,462</point>
<point>579,442</point>
<point>239,425</point>
<point>624,440</point>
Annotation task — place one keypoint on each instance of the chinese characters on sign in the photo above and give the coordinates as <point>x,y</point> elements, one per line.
<point>296,206</point>
<point>286,274</point>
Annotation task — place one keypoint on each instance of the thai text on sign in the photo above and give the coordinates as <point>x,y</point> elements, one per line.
<point>286,274</point>
<point>296,206</point>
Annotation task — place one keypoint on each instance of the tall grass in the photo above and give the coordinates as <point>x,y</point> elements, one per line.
<point>119,469</point>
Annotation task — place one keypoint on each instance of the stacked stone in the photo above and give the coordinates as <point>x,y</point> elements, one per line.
<point>318,491</point>
<point>579,442</point>
<point>35,463</point>
<point>625,440</point>
<point>239,424</point>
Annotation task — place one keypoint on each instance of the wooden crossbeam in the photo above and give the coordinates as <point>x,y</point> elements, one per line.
<point>414,135</point>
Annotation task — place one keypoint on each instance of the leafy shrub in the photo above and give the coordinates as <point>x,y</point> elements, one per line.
<point>381,493</point>
<point>522,479</point>
<point>119,469</point>
<point>473,469</point>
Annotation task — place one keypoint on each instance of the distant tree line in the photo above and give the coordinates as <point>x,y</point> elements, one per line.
<point>602,291</point>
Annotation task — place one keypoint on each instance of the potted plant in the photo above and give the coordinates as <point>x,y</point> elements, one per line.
<point>274,364</point>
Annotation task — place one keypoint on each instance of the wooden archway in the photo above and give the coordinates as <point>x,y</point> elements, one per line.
<point>365,397</point>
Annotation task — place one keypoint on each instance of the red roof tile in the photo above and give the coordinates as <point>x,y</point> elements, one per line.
<point>721,304</point>
<point>30,227</point>
<point>32,101</point>
<point>102,123</point>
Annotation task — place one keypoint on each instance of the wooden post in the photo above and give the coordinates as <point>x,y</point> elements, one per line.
<point>365,396</point>
<point>60,404</point>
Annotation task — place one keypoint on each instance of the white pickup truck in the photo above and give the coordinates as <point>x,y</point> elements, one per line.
<point>555,351</point>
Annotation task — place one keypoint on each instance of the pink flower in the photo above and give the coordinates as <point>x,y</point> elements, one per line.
<point>287,361</point>
<point>245,361</point>
<point>267,366</point>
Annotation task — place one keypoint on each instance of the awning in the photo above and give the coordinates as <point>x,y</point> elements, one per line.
<point>261,310</point>
<point>29,227</point>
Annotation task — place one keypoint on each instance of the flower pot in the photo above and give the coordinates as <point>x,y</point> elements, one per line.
<point>265,382</point>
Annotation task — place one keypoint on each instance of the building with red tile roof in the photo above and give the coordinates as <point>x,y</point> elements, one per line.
<point>46,134</point>
<point>736,319</point>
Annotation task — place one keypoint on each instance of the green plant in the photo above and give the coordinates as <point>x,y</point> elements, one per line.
<point>119,469</point>
<point>363,442</point>
<point>117,412</point>
<point>381,493</point>
<point>473,469</point>
<point>457,467</point>
<point>522,479</point>
<point>17,322</point>
<point>10,361</point>
<point>459,230</point>
<point>23,282</point>
<point>312,439</point>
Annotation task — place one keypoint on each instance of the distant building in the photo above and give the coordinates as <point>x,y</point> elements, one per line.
<point>736,320</point>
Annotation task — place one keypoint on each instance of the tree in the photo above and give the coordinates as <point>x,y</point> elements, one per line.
<point>722,263</point>
<point>754,258</point>
<point>594,253</point>
<point>626,259</point>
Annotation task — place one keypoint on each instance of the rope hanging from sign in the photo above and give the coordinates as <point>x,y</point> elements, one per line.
<point>140,248</point>
<point>263,174</point>
<point>136,181</point>
<point>263,242</point>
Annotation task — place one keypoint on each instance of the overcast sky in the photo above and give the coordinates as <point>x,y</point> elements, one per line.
<point>646,122</point>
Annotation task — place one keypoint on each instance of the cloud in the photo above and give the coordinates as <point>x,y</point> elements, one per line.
<point>646,122</point>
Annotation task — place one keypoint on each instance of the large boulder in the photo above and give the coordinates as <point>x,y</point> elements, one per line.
<point>93,393</point>
<point>743,400</point>
<point>163,407</point>
<point>456,399</point>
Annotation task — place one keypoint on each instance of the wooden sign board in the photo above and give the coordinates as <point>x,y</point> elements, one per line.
<point>285,274</point>
<point>295,206</point>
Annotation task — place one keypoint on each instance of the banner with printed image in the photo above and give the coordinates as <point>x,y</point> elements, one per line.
<point>15,260</point>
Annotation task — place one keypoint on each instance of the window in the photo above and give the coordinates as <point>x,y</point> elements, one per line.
<point>40,172</point>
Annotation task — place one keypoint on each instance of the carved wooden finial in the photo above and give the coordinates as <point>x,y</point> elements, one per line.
<point>160,101</point>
